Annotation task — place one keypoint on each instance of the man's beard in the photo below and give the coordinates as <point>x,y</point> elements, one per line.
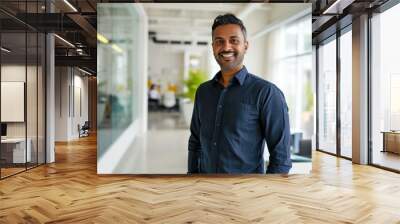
<point>229,60</point>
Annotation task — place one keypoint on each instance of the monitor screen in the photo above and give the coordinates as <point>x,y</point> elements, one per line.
<point>3,129</point>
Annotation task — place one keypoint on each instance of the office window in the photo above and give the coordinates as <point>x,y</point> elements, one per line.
<point>289,66</point>
<point>293,75</point>
<point>327,96</point>
<point>346,94</point>
<point>385,85</point>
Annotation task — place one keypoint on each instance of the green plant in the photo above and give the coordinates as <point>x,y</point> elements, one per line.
<point>196,77</point>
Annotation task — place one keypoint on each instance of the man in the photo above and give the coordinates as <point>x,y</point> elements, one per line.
<point>236,111</point>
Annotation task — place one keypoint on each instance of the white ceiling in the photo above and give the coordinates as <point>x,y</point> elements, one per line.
<point>193,21</point>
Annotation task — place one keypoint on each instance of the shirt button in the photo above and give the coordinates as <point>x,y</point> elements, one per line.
<point>214,143</point>
<point>220,106</point>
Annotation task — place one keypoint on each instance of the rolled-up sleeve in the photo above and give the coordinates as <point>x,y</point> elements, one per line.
<point>194,140</point>
<point>275,124</point>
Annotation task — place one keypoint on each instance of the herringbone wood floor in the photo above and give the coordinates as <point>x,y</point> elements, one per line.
<point>70,191</point>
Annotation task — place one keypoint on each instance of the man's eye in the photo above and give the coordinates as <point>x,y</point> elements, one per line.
<point>235,41</point>
<point>219,42</point>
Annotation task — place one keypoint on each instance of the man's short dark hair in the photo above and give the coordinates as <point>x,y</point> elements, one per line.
<point>229,18</point>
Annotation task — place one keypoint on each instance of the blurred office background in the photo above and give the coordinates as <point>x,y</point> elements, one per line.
<point>152,57</point>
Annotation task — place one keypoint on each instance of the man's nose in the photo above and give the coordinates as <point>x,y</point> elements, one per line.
<point>227,46</point>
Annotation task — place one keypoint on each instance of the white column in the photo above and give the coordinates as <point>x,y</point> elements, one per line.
<point>360,90</point>
<point>50,99</point>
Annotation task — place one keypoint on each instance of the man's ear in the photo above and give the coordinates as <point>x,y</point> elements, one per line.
<point>246,45</point>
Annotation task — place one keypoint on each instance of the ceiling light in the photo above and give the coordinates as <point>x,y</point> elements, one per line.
<point>84,71</point>
<point>102,39</point>
<point>338,6</point>
<point>117,48</point>
<point>65,41</point>
<point>70,5</point>
<point>5,50</point>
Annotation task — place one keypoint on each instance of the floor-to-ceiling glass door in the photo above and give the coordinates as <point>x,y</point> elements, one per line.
<point>334,58</point>
<point>327,96</point>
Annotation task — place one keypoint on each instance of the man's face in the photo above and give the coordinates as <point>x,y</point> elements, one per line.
<point>229,46</point>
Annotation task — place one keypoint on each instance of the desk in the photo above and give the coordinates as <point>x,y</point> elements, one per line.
<point>16,147</point>
<point>391,141</point>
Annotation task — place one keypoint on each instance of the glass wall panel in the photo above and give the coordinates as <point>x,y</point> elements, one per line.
<point>289,66</point>
<point>13,109</point>
<point>346,94</point>
<point>327,96</point>
<point>117,84</point>
<point>41,98</point>
<point>292,74</point>
<point>385,84</point>
<point>31,97</point>
<point>22,89</point>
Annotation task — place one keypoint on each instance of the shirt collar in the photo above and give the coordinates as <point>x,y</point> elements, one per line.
<point>240,76</point>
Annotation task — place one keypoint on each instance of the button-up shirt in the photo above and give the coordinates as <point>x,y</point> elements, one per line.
<point>230,126</point>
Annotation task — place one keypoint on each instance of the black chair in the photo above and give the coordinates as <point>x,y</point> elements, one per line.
<point>84,130</point>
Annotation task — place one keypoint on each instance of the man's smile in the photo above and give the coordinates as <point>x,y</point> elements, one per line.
<point>227,56</point>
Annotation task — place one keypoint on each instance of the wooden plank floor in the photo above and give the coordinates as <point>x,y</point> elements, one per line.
<point>70,191</point>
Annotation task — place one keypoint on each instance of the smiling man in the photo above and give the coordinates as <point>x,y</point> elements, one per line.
<point>236,112</point>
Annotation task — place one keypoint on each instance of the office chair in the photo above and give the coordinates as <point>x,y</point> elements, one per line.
<point>84,130</point>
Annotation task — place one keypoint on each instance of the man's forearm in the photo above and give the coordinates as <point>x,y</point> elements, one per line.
<point>193,162</point>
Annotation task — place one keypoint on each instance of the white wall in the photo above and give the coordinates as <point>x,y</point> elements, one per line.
<point>33,126</point>
<point>67,81</point>
<point>14,73</point>
<point>167,62</point>
<point>255,57</point>
<point>17,73</point>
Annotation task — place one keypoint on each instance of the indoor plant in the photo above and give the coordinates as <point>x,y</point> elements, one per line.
<point>195,78</point>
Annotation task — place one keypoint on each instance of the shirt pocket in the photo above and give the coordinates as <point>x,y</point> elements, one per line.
<point>246,116</point>
<point>249,111</point>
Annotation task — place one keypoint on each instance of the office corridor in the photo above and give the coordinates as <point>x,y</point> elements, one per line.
<point>70,191</point>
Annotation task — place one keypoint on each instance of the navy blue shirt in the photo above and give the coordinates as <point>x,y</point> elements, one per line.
<point>231,125</point>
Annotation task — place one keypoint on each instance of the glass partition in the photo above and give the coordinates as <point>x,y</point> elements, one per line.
<point>14,153</point>
<point>327,97</point>
<point>346,94</point>
<point>117,81</point>
<point>22,90</point>
<point>41,106</point>
<point>31,97</point>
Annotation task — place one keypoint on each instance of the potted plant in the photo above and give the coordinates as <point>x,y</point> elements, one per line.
<point>195,78</point>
